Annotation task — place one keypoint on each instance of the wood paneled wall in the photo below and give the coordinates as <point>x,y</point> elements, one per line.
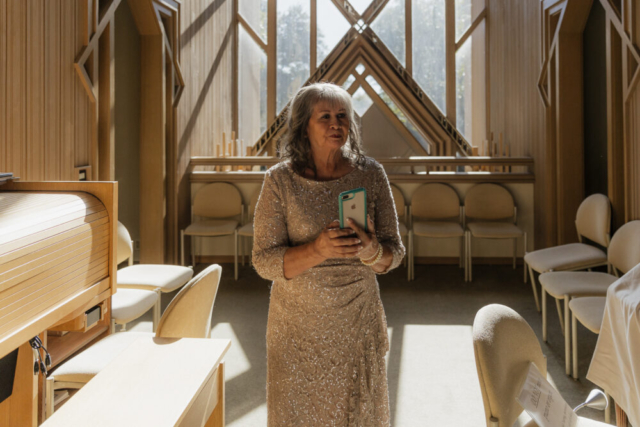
<point>205,108</point>
<point>45,131</point>
<point>516,109</point>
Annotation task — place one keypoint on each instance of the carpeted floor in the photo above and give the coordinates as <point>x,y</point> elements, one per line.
<point>431,368</point>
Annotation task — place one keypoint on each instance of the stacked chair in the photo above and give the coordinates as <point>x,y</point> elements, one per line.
<point>435,213</point>
<point>504,345</point>
<point>187,316</point>
<point>219,206</point>
<point>140,286</point>
<point>247,229</point>
<point>624,254</point>
<point>402,212</point>
<point>490,213</point>
<point>593,221</point>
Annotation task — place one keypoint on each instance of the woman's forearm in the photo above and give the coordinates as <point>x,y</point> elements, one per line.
<point>299,259</point>
<point>385,261</point>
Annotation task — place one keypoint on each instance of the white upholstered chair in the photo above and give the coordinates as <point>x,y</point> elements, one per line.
<point>593,221</point>
<point>129,304</point>
<point>624,254</point>
<point>402,211</point>
<point>490,213</point>
<point>187,316</point>
<point>247,229</point>
<point>504,345</point>
<point>219,208</point>
<point>136,281</point>
<point>435,213</point>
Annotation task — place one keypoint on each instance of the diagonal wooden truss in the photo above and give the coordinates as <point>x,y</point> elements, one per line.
<point>361,43</point>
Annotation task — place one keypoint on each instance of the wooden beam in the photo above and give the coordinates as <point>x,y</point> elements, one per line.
<point>450,48</point>
<point>272,57</point>
<point>152,150</point>
<point>106,106</point>
<point>471,29</point>
<point>313,33</point>
<point>249,29</point>
<point>408,36</point>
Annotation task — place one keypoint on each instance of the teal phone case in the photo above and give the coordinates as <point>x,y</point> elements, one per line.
<point>352,194</point>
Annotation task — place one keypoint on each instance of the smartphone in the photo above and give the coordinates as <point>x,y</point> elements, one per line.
<point>353,204</point>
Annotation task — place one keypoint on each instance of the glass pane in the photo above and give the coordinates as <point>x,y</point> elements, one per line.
<point>397,111</point>
<point>466,12</point>
<point>332,26</point>
<point>361,101</point>
<point>470,87</point>
<point>389,26</point>
<point>252,87</point>
<point>255,13</point>
<point>360,68</point>
<point>293,48</point>
<point>347,83</point>
<point>429,57</point>
<point>360,5</point>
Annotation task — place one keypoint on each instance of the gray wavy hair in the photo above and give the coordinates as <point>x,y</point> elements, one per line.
<point>295,146</point>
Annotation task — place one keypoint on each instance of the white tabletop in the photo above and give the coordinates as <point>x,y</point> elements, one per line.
<point>152,383</point>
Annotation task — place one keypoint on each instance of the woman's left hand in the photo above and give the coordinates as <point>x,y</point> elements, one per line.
<point>369,240</point>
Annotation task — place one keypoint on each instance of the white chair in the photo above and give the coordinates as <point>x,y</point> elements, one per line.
<point>187,316</point>
<point>490,213</point>
<point>402,211</point>
<point>593,221</point>
<point>247,229</point>
<point>504,345</point>
<point>624,254</point>
<point>220,204</point>
<point>135,280</point>
<point>130,304</point>
<point>435,212</point>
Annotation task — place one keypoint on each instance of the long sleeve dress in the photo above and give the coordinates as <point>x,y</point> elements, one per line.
<point>326,331</point>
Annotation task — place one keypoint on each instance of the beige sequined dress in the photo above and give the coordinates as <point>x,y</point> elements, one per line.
<point>327,331</point>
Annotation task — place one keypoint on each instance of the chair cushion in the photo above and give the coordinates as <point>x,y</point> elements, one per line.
<point>246,230</point>
<point>84,366</point>
<point>211,227</point>
<point>589,311</point>
<point>494,230</point>
<point>576,283</point>
<point>403,229</point>
<point>437,229</point>
<point>129,304</point>
<point>151,276</point>
<point>574,256</point>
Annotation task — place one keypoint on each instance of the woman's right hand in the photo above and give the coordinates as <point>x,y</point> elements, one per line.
<point>334,243</point>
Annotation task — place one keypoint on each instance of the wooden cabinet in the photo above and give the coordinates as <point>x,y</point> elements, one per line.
<point>57,262</point>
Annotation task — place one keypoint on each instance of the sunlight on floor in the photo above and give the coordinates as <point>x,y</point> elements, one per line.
<point>436,377</point>
<point>237,362</point>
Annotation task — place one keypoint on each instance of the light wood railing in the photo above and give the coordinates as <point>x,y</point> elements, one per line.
<point>417,169</point>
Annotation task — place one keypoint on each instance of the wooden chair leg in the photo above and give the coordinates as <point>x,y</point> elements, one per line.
<point>533,286</point>
<point>574,346</point>
<point>182,247</point>
<point>561,317</point>
<point>543,297</point>
<point>621,417</point>
<point>193,251</point>
<point>469,255</point>
<point>235,258</point>
<point>567,337</point>
<point>524,263</point>
<point>461,251</point>
<point>515,251</point>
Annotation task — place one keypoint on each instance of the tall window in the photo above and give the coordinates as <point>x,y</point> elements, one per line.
<point>413,31</point>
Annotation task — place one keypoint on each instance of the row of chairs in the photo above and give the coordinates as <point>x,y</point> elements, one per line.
<point>580,295</point>
<point>489,212</point>
<point>435,211</point>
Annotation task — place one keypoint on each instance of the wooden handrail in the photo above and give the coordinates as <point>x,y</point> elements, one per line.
<point>431,161</point>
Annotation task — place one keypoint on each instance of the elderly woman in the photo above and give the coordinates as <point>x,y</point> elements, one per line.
<point>327,331</point>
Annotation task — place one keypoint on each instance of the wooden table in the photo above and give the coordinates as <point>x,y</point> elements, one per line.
<point>154,382</point>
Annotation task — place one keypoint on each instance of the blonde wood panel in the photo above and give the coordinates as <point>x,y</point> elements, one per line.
<point>205,108</point>
<point>44,127</point>
<point>20,409</point>
<point>35,137</point>
<point>3,87</point>
<point>633,156</point>
<point>515,106</point>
